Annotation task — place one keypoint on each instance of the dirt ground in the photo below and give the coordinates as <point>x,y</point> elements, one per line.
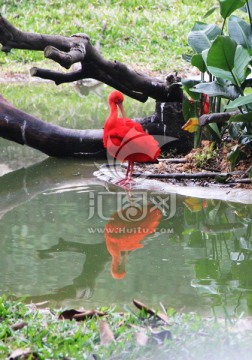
<point>207,159</point>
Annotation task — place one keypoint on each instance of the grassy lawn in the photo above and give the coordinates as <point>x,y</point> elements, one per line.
<point>30,332</point>
<point>150,35</point>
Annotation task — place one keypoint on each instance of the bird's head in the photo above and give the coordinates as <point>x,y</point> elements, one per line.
<point>116,97</point>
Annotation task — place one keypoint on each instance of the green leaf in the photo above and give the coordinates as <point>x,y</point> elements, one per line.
<point>227,60</point>
<point>246,140</point>
<point>246,118</point>
<point>225,90</point>
<point>210,11</point>
<point>198,61</point>
<point>187,57</point>
<point>240,101</point>
<point>201,36</point>
<point>190,109</point>
<point>188,84</point>
<point>214,132</point>
<point>240,31</point>
<point>245,7</point>
<point>234,156</point>
<point>227,7</point>
<point>235,131</point>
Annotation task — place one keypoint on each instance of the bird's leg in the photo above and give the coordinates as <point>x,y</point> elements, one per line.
<point>128,177</point>
<point>131,167</point>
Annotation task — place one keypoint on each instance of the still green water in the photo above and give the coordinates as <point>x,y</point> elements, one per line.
<point>71,239</point>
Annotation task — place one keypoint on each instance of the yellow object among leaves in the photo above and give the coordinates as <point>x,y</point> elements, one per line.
<point>192,125</point>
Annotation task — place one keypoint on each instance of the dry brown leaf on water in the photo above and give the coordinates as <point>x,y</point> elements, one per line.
<point>150,311</point>
<point>20,354</point>
<point>18,326</point>
<point>106,334</point>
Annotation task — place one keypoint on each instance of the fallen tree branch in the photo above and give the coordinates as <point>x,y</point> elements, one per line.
<point>198,175</point>
<point>216,117</point>
<point>53,140</point>
<point>77,48</point>
<point>241,181</point>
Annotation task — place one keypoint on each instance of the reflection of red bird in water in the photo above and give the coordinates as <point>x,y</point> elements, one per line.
<point>125,139</point>
<point>123,235</point>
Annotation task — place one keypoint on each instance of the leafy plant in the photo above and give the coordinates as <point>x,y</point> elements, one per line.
<point>223,56</point>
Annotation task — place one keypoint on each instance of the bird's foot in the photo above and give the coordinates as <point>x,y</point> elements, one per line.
<point>125,183</point>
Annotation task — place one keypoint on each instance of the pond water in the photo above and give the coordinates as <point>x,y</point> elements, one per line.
<point>71,239</point>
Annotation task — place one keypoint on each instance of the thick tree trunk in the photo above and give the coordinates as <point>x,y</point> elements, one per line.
<point>53,140</point>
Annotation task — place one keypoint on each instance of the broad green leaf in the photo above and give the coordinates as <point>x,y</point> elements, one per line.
<point>245,118</point>
<point>214,132</point>
<point>246,140</point>
<point>240,31</point>
<point>198,62</point>
<point>190,109</point>
<point>225,90</point>
<point>245,7</point>
<point>227,7</point>
<point>235,130</point>
<point>240,101</point>
<point>227,60</point>
<point>201,36</point>
<point>234,156</point>
<point>187,57</point>
<point>187,85</point>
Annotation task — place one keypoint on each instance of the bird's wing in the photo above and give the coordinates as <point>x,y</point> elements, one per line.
<point>125,142</point>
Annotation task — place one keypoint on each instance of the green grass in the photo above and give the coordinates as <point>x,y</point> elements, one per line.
<point>149,35</point>
<point>44,336</point>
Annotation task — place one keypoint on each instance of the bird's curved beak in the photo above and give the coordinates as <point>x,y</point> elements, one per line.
<point>120,105</point>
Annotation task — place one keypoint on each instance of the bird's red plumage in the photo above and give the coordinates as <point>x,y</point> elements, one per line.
<point>125,139</point>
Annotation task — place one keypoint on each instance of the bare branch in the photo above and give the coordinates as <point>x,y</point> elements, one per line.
<point>199,175</point>
<point>65,59</point>
<point>77,48</point>
<point>216,117</point>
